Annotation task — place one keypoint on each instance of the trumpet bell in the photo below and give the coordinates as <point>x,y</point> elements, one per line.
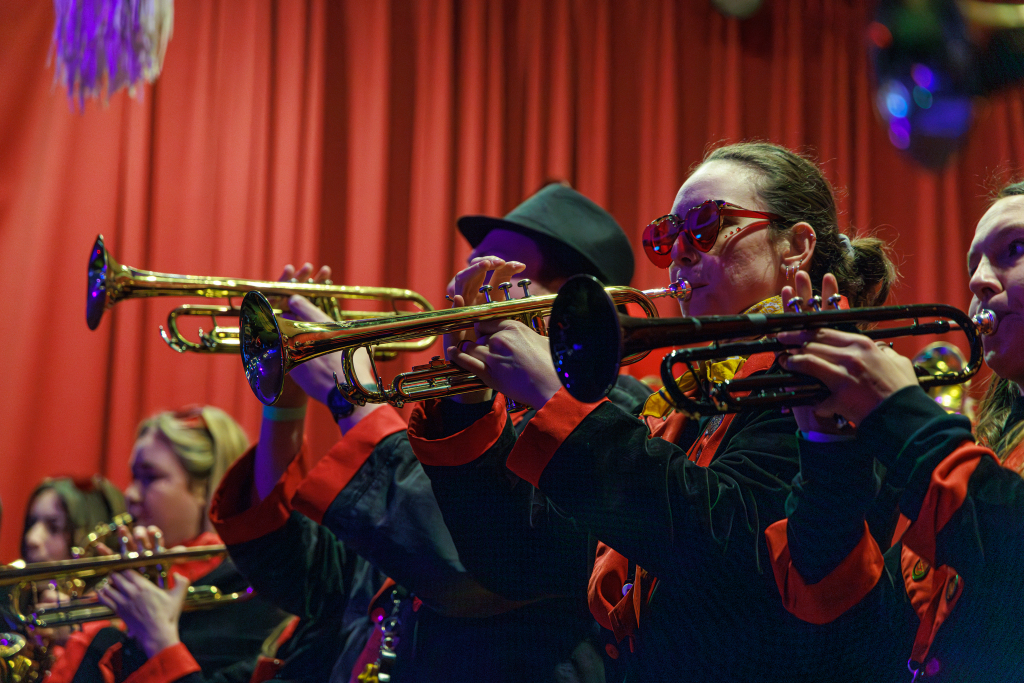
<point>96,292</point>
<point>584,317</point>
<point>262,353</point>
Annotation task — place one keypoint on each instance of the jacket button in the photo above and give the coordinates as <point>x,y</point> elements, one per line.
<point>626,587</point>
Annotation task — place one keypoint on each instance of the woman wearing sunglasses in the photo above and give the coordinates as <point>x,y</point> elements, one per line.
<point>949,596</point>
<point>681,581</point>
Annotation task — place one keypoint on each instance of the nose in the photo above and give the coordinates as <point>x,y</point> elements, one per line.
<point>36,535</point>
<point>984,282</point>
<point>683,252</point>
<point>133,494</point>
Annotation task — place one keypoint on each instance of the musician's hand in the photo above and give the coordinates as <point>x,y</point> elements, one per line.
<point>511,358</point>
<point>464,290</point>
<point>150,614</point>
<point>859,373</point>
<point>135,540</point>
<point>314,378</point>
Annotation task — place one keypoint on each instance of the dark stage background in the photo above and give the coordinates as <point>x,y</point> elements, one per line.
<point>354,132</point>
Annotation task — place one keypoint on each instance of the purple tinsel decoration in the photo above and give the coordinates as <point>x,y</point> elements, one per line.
<point>102,46</point>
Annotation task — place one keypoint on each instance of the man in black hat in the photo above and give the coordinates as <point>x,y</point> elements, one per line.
<point>372,493</point>
<point>556,233</point>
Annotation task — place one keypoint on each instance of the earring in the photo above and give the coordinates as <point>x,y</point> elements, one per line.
<point>789,269</point>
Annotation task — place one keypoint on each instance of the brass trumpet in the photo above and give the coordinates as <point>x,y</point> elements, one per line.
<point>110,282</point>
<point>78,610</point>
<point>271,346</point>
<point>589,337</point>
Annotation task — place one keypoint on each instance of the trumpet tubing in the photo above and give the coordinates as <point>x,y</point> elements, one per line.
<point>589,337</point>
<point>87,567</point>
<point>110,282</point>
<point>85,610</point>
<point>272,346</point>
<point>23,577</point>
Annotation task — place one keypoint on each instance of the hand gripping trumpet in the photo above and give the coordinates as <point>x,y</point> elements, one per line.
<point>62,573</point>
<point>110,282</point>
<point>589,337</point>
<point>272,346</point>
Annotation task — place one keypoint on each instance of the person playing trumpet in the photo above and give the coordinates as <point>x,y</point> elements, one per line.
<point>680,578</point>
<point>947,597</point>
<point>369,495</point>
<point>177,461</point>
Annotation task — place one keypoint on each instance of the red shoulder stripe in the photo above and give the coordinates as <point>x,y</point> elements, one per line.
<point>335,470</point>
<point>945,495</point>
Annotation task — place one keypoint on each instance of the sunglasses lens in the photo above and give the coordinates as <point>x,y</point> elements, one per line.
<point>658,239</point>
<point>703,224</point>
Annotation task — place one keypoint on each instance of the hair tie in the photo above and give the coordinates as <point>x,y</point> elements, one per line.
<point>847,245</point>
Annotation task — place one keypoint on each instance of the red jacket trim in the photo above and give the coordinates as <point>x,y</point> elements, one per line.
<point>66,666</point>
<point>169,664</point>
<point>267,667</point>
<point>945,495</point>
<point>933,592</point>
<point>234,516</point>
<point>704,449</point>
<point>548,429</point>
<point>462,447</point>
<point>336,469</point>
<point>110,665</point>
<point>826,600</point>
<point>605,589</point>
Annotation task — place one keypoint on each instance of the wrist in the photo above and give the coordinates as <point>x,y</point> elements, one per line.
<point>277,413</point>
<point>158,642</point>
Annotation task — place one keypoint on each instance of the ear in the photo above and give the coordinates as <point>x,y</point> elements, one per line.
<point>799,246</point>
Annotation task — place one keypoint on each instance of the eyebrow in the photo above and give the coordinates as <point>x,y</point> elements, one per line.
<point>1016,227</point>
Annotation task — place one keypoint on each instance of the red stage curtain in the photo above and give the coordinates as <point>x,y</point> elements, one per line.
<point>353,133</point>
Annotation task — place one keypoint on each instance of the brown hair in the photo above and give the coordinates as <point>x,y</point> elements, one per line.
<point>793,187</point>
<point>87,504</point>
<point>1001,394</point>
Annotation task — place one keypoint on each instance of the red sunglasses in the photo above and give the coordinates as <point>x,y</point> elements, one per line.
<point>701,225</point>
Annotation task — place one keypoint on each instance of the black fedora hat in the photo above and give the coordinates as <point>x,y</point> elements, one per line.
<point>567,217</point>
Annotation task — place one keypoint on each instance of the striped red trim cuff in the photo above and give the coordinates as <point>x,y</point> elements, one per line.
<point>828,599</point>
<point>234,516</point>
<point>548,429</point>
<point>462,447</point>
<point>335,470</point>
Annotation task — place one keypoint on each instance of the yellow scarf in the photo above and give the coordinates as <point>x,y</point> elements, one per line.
<point>660,405</point>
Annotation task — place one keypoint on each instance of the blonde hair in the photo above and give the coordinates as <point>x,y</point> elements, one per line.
<point>993,411</point>
<point>205,439</point>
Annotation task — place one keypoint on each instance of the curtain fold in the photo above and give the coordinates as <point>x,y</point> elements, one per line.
<point>353,133</point>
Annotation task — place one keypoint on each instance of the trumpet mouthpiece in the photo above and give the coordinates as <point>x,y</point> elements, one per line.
<point>986,321</point>
<point>680,289</point>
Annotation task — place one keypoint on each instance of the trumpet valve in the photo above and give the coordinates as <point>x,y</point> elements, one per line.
<point>986,321</point>
<point>486,291</point>
<point>834,301</point>
<point>525,284</point>
<point>796,304</point>
<point>816,302</point>
<point>505,287</point>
